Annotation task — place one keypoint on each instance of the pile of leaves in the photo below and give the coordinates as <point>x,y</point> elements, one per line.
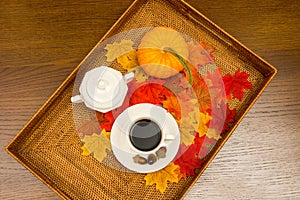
<point>200,109</point>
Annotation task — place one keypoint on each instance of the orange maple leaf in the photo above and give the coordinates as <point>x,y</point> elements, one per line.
<point>162,177</point>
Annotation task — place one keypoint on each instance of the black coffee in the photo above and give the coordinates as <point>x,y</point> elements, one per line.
<point>145,135</point>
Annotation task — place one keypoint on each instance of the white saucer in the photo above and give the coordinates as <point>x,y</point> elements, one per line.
<point>125,151</point>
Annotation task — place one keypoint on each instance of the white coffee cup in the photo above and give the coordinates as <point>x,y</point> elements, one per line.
<point>124,149</point>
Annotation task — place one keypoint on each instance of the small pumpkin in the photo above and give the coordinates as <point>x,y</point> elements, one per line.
<point>161,52</point>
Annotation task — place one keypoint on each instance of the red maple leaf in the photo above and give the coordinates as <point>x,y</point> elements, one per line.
<point>187,159</point>
<point>149,93</point>
<point>236,83</point>
<point>204,144</point>
<point>222,117</point>
<point>105,120</point>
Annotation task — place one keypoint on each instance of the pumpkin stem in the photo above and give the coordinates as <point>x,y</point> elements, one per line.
<point>183,62</point>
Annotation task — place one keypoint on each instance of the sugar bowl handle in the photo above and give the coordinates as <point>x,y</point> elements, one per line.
<point>128,77</point>
<point>76,99</point>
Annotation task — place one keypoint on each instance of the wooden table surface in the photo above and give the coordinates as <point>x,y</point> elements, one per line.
<point>42,41</point>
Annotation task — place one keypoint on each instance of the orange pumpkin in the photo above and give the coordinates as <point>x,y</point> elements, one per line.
<point>156,52</point>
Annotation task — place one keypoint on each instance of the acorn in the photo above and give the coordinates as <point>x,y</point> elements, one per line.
<point>140,160</point>
<point>161,152</point>
<point>151,159</point>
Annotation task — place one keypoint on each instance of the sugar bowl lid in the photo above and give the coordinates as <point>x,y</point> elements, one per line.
<point>103,89</point>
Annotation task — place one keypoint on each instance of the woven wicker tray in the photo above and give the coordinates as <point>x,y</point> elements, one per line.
<point>49,145</point>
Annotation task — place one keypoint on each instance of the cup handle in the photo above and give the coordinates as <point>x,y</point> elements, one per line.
<point>169,137</point>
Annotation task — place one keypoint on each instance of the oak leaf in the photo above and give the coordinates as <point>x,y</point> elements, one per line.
<point>162,177</point>
<point>118,49</point>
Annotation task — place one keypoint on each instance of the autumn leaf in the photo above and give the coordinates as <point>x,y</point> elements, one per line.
<point>203,144</point>
<point>162,177</point>
<point>172,105</point>
<point>198,55</point>
<point>212,133</point>
<point>236,84</point>
<point>186,136</point>
<point>199,90</point>
<point>96,144</point>
<point>107,134</point>
<point>117,49</point>
<point>105,120</point>
<point>180,174</point>
<point>85,152</point>
<point>215,84</point>
<point>88,127</point>
<point>140,75</point>
<point>187,159</point>
<point>149,93</point>
<point>128,60</point>
<point>202,129</point>
<point>223,117</point>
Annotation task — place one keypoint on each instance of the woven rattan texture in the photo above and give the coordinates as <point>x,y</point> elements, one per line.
<point>50,147</point>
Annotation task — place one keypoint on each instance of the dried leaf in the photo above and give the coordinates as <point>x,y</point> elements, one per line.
<point>236,84</point>
<point>128,60</point>
<point>198,55</point>
<point>97,144</point>
<point>162,177</point>
<point>88,127</point>
<point>116,49</point>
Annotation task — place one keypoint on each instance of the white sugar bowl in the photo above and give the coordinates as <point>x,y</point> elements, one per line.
<point>103,89</point>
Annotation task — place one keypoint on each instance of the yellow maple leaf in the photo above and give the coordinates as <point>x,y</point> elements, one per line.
<point>96,144</point>
<point>202,128</point>
<point>195,121</point>
<point>162,177</point>
<point>107,134</point>
<point>85,152</point>
<point>211,133</point>
<point>180,174</point>
<point>128,60</point>
<point>117,49</point>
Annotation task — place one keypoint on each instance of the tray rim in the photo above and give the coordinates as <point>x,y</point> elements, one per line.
<point>63,85</point>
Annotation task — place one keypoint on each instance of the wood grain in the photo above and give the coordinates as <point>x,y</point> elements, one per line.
<point>41,42</point>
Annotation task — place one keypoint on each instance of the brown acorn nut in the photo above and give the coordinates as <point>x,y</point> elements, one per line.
<point>151,159</point>
<point>140,160</point>
<point>161,152</point>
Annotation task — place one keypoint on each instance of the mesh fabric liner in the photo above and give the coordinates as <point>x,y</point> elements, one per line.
<point>49,145</point>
